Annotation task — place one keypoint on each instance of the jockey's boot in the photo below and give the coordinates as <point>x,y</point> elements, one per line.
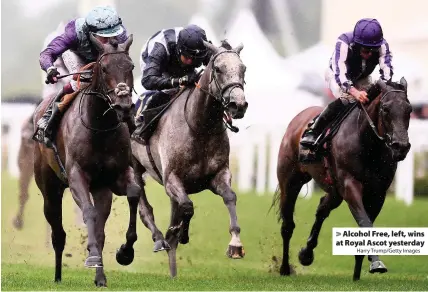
<point>47,123</point>
<point>138,133</point>
<point>325,118</point>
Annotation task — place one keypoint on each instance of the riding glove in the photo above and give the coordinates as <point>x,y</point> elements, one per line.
<point>51,73</point>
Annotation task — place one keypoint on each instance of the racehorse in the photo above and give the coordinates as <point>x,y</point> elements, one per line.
<point>360,165</point>
<point>26,171</point>
<point>94,147</point>
<point>189,150</point>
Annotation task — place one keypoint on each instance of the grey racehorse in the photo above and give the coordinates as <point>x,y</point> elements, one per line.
<point>190,148</point>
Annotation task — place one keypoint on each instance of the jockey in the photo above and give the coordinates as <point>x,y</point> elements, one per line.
<point>76,50</point>
<point>168,60</point>
<point>51,89</point>
<point>355,57</point>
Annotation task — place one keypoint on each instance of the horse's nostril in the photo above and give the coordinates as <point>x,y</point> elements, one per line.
<point>233,107</point>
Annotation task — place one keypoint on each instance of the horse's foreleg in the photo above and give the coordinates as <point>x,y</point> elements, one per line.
<point>326,205</point>
<point>353,195</point>
<point>220,185</point>
<point>181,214</point>
<point>175,190</point>
<point>125,254</point>
<point>79,187</point>
<point>373,206</point>
<point>134,189</point>
<point>102,202</point>
<point>172,237</point>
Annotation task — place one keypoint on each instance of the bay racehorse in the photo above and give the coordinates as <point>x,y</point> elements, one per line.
<point>93,142</point>
<point>359,167</point>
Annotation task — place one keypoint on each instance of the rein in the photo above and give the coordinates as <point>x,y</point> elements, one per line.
<point>220,96</point>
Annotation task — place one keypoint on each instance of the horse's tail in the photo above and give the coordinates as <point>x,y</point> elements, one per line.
<point>276,202</point>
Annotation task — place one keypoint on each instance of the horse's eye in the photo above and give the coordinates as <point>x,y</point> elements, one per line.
<point>217,69</point>
<point>104,69</point>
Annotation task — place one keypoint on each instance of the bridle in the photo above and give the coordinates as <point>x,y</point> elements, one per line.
<point>102,92</point>
<point>387,138</point>
<point>224,100</point>
<point>220,96</point>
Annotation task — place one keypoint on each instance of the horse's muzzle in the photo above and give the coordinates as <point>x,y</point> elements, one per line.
<point>237,110</point>
<point>123,111</point>
<point>400,150</point>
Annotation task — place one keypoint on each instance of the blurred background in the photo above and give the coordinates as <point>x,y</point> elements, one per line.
<point>287,46</point>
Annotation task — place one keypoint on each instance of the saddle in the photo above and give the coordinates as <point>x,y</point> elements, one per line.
<point>323,142</point>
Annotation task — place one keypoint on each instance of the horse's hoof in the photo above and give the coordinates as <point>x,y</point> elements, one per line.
<point>161,245</point>
<point>306,256</point>
<point>286,270</point>
<point>17,223</point>
<point>125,256</point>
<point>184,237</point>
<point>93,262</point>
<point>378,267</point>
<point>101,283</point>
<point>235,252</point>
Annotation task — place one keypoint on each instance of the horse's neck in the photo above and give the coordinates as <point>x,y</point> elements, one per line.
<point>369,139</point>
<point>203,112</point>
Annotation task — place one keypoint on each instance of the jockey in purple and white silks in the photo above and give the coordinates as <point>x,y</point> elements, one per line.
<point>355,56</point>
<point>51,89</point>
<point>76,50</point>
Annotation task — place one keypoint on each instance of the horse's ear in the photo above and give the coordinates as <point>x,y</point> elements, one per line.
<point>98,45</point>
<point>239,48</point>
<point>211,47</point>
<point>381,84</point>
<point>128,42</point>
<point>403,82</point>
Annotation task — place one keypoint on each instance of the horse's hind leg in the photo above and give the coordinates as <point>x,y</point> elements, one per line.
<point>25,163</point>
<point>327,203</point>
<point>289,191</point>
<point>102,202</point>
<point>220,185</point>
<point>146,210</point>
<point>52,190</point>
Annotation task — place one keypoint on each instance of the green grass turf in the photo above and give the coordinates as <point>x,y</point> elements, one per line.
<point>28,264</point>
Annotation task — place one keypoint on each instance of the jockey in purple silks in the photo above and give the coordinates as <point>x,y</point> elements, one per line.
<point>76,50</point>
<point>355,57</point>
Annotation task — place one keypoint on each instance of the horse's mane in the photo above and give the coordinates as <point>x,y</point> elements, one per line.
<point>374,90</point>
<point>113,42</point>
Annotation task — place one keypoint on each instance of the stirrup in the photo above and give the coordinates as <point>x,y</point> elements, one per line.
<point>39,135</point>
